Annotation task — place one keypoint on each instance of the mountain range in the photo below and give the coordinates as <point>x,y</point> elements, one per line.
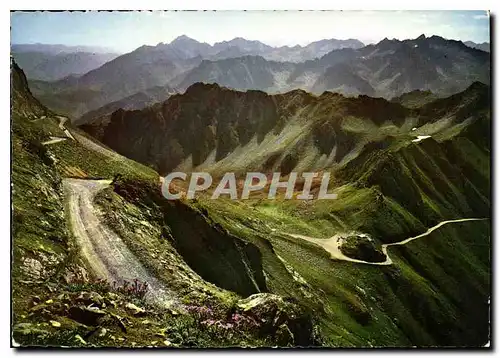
<point>485,46</point>
<point>151,66</point>
<point>387,69</point>
<point>237,47</point>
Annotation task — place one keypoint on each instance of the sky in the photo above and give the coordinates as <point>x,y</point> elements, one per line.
<point>125,31</point>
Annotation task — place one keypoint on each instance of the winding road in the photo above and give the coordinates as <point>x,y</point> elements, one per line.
<point>62,121</point>
<point>110,258</point>
<point>332,245</point>
<point>107,255</point>
<point>54,140</point>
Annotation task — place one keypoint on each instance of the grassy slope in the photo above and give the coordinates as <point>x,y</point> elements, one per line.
<point>355,302</point>
<point>49,278</point>
<point>436,292</point>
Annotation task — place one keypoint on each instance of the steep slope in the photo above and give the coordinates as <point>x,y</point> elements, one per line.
<point>485,46</point>
<point>78,278</point>
<point>22,101</point>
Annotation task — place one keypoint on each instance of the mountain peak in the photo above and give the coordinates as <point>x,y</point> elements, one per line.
<point>201,86</point>
<point>183,39</point>
<point>385,40</point>
<point>477,85</point>
<point>421,37</point>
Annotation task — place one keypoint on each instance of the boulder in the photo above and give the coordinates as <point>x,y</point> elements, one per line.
<point>87,316</point>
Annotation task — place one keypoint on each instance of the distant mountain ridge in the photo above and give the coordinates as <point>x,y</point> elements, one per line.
<point>53,66</point>
<point>238,47</point>
<point>57,48</point>
<point>387,69</point>
<point>49,62</point>
<point>124,76</point>
<point>217,127</point>
<point>485,46</point>
<point>142,69</point>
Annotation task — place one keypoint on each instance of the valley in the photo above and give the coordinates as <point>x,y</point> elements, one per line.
<point>400,256</point>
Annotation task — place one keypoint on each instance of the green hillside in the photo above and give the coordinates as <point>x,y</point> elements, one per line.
<point>247,273</point>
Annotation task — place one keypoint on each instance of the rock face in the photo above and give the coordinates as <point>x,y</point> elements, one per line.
<point>23,102</point>
<point>87,316</point>
<point>211,251</point>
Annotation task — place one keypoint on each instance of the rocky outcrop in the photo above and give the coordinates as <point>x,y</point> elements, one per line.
<point>287,322</point>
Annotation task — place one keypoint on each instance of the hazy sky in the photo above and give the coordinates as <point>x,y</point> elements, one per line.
<point>125,31</point>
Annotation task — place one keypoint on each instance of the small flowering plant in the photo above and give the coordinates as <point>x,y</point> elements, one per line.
<point>134,288</point>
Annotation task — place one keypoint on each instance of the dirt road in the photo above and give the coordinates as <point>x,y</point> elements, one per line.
<point>107,255</point>
<point>332,245</point>
<point>62,121</point>
<point>54,140</point>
